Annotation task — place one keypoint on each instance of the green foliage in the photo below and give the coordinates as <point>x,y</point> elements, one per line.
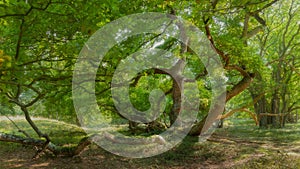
<point>40,42</point>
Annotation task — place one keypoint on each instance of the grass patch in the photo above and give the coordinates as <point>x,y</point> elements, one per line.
<point>188,154</point>
<point>272,161</point>
<point>60,133</point>
<point>246,129</point>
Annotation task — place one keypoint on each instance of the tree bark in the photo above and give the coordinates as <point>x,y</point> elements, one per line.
<point>177,99</point>
<point>260,106</point>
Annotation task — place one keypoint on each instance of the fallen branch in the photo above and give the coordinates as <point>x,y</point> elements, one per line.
<point>56,150</point>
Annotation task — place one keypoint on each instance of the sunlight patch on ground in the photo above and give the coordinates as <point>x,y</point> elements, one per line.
<point>15,163</point>
<point>293,154</point>
<point>39,165</point>
<point>4,118</point>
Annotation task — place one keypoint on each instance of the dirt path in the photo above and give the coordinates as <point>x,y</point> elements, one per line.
<point>292,149</point>
<point>94,157</point>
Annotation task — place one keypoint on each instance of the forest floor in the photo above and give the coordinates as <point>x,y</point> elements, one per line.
<point>239,144</point>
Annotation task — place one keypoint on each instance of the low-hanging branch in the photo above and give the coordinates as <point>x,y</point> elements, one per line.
<point>230,113</point>
<point>244,109</point>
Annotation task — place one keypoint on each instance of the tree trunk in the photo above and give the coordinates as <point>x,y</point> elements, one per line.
<point>275,104</point>
<point>260,108</point>
<point>177,99</point>
<point>260,102</point>
<point>203,126</point>
<point>275,110</point>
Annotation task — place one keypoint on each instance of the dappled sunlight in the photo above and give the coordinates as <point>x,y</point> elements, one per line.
<point>39,165</point>
<point>224,148</point>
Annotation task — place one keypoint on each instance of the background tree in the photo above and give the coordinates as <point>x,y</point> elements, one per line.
<point>276,83</point>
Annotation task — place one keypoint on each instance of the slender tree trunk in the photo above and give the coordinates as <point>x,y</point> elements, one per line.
<point>177,77</point>
<point>177,89</point>
<point>275,102</point>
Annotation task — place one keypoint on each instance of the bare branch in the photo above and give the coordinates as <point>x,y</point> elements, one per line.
<point>254,32</point>
<point>246,25</point>
<point>19,39</point>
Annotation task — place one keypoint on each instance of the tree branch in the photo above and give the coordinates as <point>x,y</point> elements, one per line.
<point>19,39</point>
<point>238,88</point>
<point>57,150</point>
<point>230,113</point>
<point>224,56</point>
